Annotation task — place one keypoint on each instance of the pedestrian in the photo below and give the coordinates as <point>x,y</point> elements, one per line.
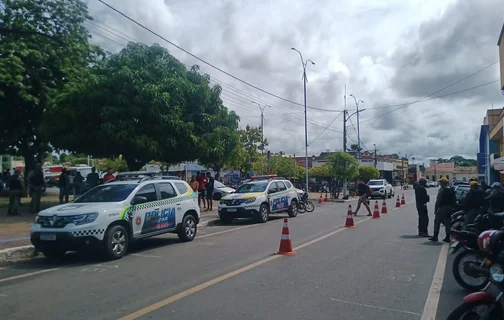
<point>209,191</point>
<point>201,188</point>
<point>109,175</point>
<point>92,179</point>
<point>64,186</point>
<point>421,199</point>
<point>442,210</point>
<point>15,192</point>
<point>194,184</point>
<point>78,184</point>
<point>363,192</point>
<point>36,184</point>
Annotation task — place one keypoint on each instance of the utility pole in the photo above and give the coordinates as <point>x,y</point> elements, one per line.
<point>357,102</point>
<point>375,159</point>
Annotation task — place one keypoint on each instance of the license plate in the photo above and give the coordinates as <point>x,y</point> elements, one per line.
<point>48,237</point>
<point>231,210</point>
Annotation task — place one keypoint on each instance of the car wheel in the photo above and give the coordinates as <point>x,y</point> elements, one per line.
<point>293,209</point>
<point>188,229</point>
<point>263,215</point>
<point>53,254</point>
<point>116,242</point>
<point>385,195</point>
<point>390,195</point>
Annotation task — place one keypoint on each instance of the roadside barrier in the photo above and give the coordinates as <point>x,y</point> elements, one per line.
<point>320,199</point>
<point>398,202</point>
<point>384,207</point>
<point>403,202</point>
<point>325,199</point>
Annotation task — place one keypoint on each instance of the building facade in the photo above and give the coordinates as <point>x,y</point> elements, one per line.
<point>465,173</point>
<point>489,148</point>
<point>436,171</point>
<point>500,44</point>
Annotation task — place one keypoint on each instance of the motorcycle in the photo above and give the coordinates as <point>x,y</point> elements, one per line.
<point>490,299</point>
<point>304,205</point>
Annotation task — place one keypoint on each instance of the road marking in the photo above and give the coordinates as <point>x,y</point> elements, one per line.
<point>198,288</point>
<point>28,275</point>
<point>226,231</point>
<point>145,256</point>
<point>430,309</point>
<point>375,307</point>
<point>403,205</point>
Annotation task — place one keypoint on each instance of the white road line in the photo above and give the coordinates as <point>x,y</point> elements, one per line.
<point>145,256</point>
<point>28,275</point>
<point>375,307</point>
<point>431,305</point>
<point>226,231</point>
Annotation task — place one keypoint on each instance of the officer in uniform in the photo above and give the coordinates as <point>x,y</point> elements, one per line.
<point>443,209</point>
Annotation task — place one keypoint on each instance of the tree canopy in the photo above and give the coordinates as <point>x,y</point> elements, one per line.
<point>143,104</point>
<point>344,165</point>
<point>459,161</point>
<point>43,47</point>
<point>282,166</point>
<point>368,172</point>
<point>324,172</point>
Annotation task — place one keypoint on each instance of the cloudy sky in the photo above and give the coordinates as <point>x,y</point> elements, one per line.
<point>388,53</point>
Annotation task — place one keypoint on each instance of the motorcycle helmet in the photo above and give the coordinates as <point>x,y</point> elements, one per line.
<point>495,185</point>
<point>491,241</point>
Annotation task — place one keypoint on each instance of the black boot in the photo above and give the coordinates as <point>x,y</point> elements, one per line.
<point>433,239</point>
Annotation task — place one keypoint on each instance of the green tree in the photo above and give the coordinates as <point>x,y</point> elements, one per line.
<point>251,142</point>
<point>43,47</point>
<point>143,104</point>
<point>344,165</point>
<point>118,164</point>
<point>368,172</point>
<point>323,172</point>
<point>280,165</point>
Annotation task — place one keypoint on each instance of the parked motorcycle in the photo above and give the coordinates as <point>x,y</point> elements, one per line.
<point>304,205</point>
<point>488,303</point>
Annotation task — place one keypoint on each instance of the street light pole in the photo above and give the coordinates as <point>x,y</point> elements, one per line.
<point>345,119</point>
<point>262,124</point>
<point>304,63</point>
<point>357,102</point>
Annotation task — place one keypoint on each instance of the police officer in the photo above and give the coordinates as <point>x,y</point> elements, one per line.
<point>444,205</point>
<point>421,199</point>
<point>473,202</point>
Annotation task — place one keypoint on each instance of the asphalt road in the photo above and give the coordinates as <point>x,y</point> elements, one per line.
<point>379,270</point>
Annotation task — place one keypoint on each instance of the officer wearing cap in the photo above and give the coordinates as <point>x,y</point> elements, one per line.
<point>421,199</point>
<point>444,205</point>
<point>473,202</point>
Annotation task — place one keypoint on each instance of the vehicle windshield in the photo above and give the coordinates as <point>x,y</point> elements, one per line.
<point>252,187</point>
<point>375,183</point>
<point>217,184</point>
<point>461,191</point>
<point>107,193</point>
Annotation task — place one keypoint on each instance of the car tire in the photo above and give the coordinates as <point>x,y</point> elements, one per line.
<point>116,242</point>
<point>188,229</point>
<point>53,254</point>
<point>390,195</point>
<point>263,214</point>
<point>385,196</point>
<point>293,209</point>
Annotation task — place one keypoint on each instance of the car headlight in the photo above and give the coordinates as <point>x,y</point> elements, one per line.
<point>249,200</point>
<point>497,273</point>
<point>84,218</point>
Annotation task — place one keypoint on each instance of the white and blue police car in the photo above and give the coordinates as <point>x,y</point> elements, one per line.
<point>258,198</point>
<point>110,216</point>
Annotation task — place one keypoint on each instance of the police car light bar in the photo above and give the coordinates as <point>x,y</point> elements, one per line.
<point>263,177</point>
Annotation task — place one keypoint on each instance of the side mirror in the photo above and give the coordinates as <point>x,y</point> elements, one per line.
<point>138,200</point>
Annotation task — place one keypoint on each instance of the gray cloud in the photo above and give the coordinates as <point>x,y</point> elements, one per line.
<point>386,53</point>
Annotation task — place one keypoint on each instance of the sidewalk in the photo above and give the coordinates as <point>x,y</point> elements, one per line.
<point>15,230</point>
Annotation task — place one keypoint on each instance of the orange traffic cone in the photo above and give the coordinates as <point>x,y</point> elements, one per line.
<point>398,202</point>
<point>320,199</point>
<point>384,207</point>
<point>403,202</point>
<point>376,212</point>
<point>325,199</point>
<point>285,242</point>
<point>349,219</point>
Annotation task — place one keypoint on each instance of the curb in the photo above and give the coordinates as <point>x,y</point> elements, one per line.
<point>16,253</point>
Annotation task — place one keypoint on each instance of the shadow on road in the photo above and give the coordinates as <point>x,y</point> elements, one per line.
<point>409,236</point>
<point>433,244</point>
<point>239,222</point>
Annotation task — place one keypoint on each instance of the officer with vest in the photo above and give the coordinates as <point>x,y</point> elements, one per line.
<point>443,209</point>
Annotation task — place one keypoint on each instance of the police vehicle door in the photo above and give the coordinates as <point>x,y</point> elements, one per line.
<point>283,195</point>
<point>273,196</point>
<point>169,209</point>
<point>141,211</point>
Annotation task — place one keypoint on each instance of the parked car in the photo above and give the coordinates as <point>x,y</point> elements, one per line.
<point>220,190</point>
<point>380,188</point>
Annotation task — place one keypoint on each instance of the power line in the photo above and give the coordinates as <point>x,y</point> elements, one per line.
<point>441,96</point>
<point>208,63</point>
<point>309,143</point>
